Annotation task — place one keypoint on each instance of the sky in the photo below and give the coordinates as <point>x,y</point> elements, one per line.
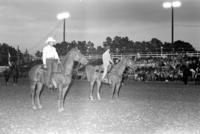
<point>28,23</point>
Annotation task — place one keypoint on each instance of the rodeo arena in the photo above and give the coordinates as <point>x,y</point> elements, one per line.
<point>142,93</point>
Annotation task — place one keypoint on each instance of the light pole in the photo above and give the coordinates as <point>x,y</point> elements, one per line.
<point>63,16</point>
<point>172,5</point>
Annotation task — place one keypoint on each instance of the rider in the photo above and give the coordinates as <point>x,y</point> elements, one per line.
<point>106,61</point>
<point>49,57</point>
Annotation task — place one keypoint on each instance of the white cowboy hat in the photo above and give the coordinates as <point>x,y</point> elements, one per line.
<point>50,39</point>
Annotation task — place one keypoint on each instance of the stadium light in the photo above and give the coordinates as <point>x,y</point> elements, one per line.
<point>63,16</point>
<point>172,5</point>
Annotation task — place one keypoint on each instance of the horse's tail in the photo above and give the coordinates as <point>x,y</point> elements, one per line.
<point>90,72</point>
<point>93,72</point>
<point>35,73</point>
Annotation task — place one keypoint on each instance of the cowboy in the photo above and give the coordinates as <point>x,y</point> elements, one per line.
<point>49,57</point>
<point>106,61</point>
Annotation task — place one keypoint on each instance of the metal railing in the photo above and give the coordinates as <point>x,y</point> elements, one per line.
<point>142,55</point>
<point>146,55</point>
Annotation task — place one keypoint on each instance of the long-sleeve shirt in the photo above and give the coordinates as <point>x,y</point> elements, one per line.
<point>49,52</point>
<point>106,57</point>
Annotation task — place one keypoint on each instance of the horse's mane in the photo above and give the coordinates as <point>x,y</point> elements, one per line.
<point>68,54</point>
<point>118,65</point>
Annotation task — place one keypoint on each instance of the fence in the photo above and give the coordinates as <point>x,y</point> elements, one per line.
<point>142,55</point>
<point>145,55</point>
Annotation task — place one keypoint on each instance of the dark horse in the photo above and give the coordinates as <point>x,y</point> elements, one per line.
<point>12,71</point>
<point>7,74</point>
<point>114,76</point>
<point>15,73</point>
<point>61,78</point>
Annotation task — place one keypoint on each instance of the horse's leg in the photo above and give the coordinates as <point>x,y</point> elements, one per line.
<point>64,90</point>
<point>118,89</point>
<point>33,88</point>
<point>38,92</point>
<point>91,90</point>
<point>17,77</point>
<point>14,79</point>
<point>7,79</point>
<point>59,96</point>
<point>98,89</point>
<point>113,89</point>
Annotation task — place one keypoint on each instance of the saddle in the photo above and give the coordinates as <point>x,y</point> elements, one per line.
<point>56,68</point>
<point>100,68</point>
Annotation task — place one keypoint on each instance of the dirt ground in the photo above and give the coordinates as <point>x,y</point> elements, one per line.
<point>143,108</point>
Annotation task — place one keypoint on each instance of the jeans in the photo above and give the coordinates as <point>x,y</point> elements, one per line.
<point>51,67</point>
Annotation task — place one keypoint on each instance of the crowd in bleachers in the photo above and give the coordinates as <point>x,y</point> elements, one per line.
<point>164,68</point>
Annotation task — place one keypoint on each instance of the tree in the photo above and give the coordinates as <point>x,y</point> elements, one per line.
<point>116,44</point>
<point>181,46</point>
<point>90,48</point>
<point>108,42</point>
<point>155,44</point>
<point>62,48</point>
<point>99,50</point>
<point>82,47</point>
<point>38,54</point>
<point>26,56</point>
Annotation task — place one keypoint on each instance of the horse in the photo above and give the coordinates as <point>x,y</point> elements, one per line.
<point>94,75</point>
<point>7,73</point>
<point>12,71</point>
<point>197,76</point>
<point>61,78</point>
<point>15,73</point>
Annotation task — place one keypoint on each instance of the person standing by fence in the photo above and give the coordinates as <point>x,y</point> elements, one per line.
<point>186,71</point>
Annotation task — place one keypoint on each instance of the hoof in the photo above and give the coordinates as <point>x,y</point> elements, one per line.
<point>40,107</point>
<point>61,110</point>
<point>98,97</point>
<point>112,101</point>
<point>34,107</point>
<point>113,97</point>
<point>91,98</point>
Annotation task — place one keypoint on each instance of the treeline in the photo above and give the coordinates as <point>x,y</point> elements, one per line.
<point>118,45</point>
<point>123,45</point>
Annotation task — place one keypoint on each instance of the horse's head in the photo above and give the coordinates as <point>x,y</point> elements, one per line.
<point>128,62</point>
<point>78,56</point>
